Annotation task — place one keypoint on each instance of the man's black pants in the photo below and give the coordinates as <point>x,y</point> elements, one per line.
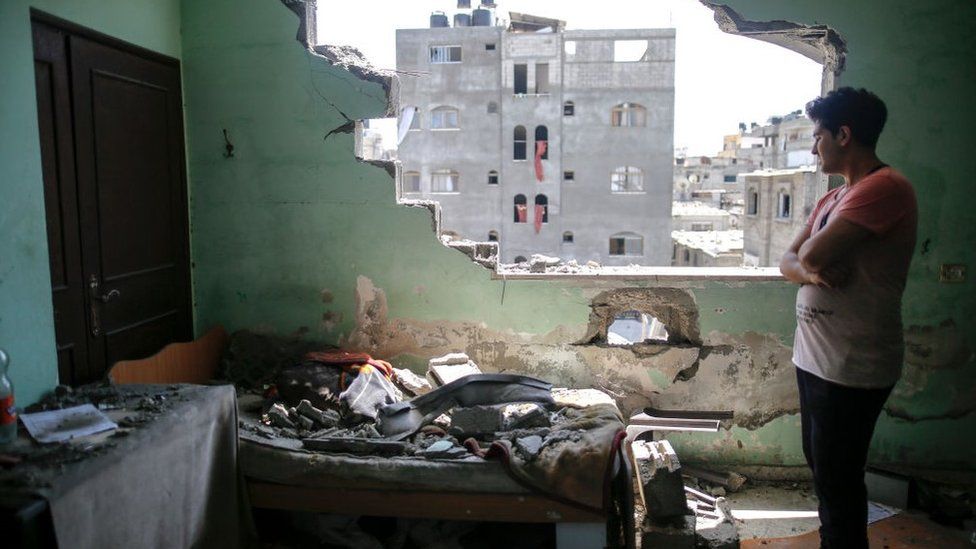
<point>837,423</point>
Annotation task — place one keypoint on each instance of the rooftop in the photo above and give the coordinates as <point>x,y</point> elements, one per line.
<point>713,243</point>
<point>788,171</point>
<point>679,209</point>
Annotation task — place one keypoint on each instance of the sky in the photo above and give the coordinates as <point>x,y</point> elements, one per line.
<point>720,79</point>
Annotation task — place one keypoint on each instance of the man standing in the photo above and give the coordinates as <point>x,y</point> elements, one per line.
<point>851,261</point>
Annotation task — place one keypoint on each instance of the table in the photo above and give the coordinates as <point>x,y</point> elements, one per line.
<point>167,478</point>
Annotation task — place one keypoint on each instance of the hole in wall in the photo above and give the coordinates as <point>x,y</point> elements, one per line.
<point>630,327</point>
<point>817,43</point>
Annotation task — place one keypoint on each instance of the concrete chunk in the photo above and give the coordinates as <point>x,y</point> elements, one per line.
<point>524,415</point>
<point>678,533</point>
<point>662,487</point>
<point>326,418</point>
<point>445,369</point>
<point>411,382</point>
<point>278,416</point>
<point>476,420</point>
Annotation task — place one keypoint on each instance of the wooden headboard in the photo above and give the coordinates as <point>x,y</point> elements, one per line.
<point>192,362</point>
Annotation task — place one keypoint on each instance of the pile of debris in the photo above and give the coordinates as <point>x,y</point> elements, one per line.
<point>676,515</point>
<point>450,413</point>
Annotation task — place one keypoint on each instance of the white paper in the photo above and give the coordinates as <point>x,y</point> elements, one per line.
<point>61,425</point>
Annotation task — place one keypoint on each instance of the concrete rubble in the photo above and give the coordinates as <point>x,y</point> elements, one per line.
<point>445,369</point>
<point>411,382</point>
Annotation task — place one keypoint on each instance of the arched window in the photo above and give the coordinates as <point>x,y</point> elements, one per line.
<point>444,118</point>
<point>492,107</point>
<point>520,259</point>
<point>519,141</point>
<point>492,236</point>
<point>569,109</point>
<point>542,207</point>
<point>752,202</point>
<point>627,179</point>
<point>626,244</point>
<point>492,177</point>
<point>568,237</point>
<point>444,181</point>
<point>521,209</point>
<point>411,182</point>
<point>628,114</point>
<point>784,206</point>
<point>542,141</point>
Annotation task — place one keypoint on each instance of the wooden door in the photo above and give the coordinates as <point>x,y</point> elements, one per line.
<point>110,117</point>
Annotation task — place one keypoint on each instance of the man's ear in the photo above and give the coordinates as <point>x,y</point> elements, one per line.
<point>844,136</point>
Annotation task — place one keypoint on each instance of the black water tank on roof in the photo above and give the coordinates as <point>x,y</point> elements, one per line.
<point>438,19</point>
<point>482,18</point>
<point>462,20</point>
<point>464,4</point>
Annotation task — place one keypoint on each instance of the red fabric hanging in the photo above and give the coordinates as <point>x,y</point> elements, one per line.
<point>540,149</point>
<point>523,213</point>
<point>540,211</point>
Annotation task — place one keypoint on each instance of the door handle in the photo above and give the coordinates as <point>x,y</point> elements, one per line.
<point>97,296</point>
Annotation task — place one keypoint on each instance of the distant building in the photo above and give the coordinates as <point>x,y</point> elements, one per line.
<point>697,216</point>
<point>777,205</point>
<point>542,139</point>
<point>707,248</point>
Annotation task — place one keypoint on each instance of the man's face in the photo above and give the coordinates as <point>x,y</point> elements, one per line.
<point>826,148</point>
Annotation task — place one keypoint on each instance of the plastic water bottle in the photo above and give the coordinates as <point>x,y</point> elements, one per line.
<point>8,412</point>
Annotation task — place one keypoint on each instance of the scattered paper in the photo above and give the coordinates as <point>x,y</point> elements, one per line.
<point>61,425</point>
<point>879,511</point>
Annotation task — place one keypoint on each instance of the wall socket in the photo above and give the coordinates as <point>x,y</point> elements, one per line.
<point>952,272</point>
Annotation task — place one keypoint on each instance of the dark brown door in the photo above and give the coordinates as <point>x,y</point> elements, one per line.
<point>112,149</point>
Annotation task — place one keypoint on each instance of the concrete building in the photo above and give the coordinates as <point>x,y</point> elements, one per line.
<point>707,248</point>
<point>778,203</point>
<point>552,142</point>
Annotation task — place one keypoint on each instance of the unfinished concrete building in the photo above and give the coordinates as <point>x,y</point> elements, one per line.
<point>777,206</point>
<point>546,142</point>
<point>250,137</point>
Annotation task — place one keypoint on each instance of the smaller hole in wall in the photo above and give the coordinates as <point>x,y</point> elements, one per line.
<point>630,327</point>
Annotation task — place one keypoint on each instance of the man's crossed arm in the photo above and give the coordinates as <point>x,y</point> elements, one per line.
<point>823,259</point>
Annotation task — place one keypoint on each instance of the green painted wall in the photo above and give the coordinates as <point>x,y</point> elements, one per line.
<point>26,321</point>
<point>293,214</point>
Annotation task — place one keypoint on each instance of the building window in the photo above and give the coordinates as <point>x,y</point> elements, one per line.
<point>626,244</point>
<point>542,207</point>
<point>687,256</point>
<point>492,107</point>
<point>521,209</point>
<point>445,54</point>
<point>568,237</point>
<point>542,78</point>
<point>411,182</point>
<point>783,209</point>
<point>444,118</point>
<point>519,143</point>
<point>702,226</point>
<point>520,259</point>
<point>542,142</point>
<point>569,47</point>
<point>729,178</point>
<point>569,108</point>
<point>627,179</point>
<point>489,47</point>
<point>521,79</point>
<point>628,114</point>
<point>492,236</point>
<point>752,202</point>
<point>492,177</point>
<point>444,181</point>
<point>569,175</point>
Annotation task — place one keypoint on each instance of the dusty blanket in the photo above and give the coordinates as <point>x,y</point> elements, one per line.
<point>575,462</point>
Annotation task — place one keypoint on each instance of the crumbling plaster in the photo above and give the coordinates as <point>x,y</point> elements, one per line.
<point>294,214</point>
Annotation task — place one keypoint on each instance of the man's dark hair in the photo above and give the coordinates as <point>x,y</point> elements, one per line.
<point>860,110</point>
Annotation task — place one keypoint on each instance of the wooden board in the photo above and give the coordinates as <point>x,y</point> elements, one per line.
<point>193,362</point>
